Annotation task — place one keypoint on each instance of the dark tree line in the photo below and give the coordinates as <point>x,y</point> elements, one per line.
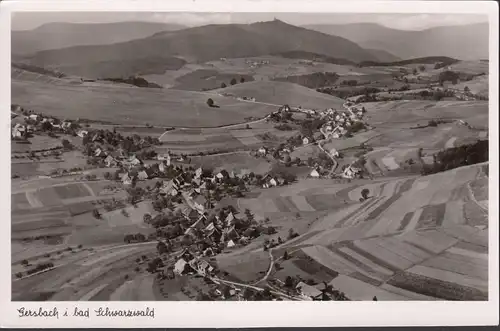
<point>455,157</point>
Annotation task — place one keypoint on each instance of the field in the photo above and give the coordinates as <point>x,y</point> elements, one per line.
<point>280,93</point>
<point>386,246</point>
<point>200,80</point>
<point>117,104</point>
<point>232,138</point>
<point>409,113</point>
<point>282,67</point>
<point>240,163</point>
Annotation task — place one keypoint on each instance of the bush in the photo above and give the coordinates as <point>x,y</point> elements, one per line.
<point>210,102</point>
<point>455,157</point>
<point>96,214</point>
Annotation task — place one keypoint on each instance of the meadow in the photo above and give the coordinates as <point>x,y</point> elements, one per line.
<point>120,105</point>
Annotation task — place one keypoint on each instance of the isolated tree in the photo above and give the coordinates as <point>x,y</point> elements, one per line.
<point>46,126</point>
<point>242,80</point>
<point>96,214</point>
<point>289,281</point>
<point>24,262</point>
<point>147,218</point>
<point>375,298</point>
<point>210,102</point>
<point>421,67</point>
<point>285,255</point>
<point>466,89</point>
<point>233,81</point>
<point>223,85</point>
<point>66,144</point>
<point>364,193</point>
<point>161,247</point>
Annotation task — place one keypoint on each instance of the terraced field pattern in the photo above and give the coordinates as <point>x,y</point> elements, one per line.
<point>414,238</point>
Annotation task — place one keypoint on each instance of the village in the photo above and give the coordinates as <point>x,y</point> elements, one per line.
<point>188,222</point>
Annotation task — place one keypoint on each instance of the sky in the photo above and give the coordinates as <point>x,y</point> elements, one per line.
<point>31,20</point>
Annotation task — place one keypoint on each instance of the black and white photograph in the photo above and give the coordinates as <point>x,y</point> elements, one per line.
<point>251,156</point>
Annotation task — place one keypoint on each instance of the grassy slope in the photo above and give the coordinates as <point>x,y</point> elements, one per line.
<point>133,105</point>
<point>283,93</point>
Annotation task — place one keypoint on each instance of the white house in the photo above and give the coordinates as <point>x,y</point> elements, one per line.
<point>307,291</point>
<point>110,161</point>
<point>66,125</point>
<point>98,152</point>
<point>126,179</point>
<point>229,219</point>
<point>314,173</point>
<point>161,167</point>
<point>179,266</point>
<point>33,117</point>
<point>18,130</point>
<point>350,172</point>
<point>219,175</point>
<point>305,140</point>
<point>262,151</point>
<point>169,188</point>
<point>142,175</point>
<point>82,133</point>
<point>230,244</point>
<point>198,173</point>
<point>334,152</point>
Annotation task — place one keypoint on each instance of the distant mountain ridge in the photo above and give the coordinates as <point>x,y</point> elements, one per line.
<point>61,35</point>
<point>464,42</point>
<point>205,43</point>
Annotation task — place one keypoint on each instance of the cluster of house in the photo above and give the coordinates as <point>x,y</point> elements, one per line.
<point>33,120</point>
<point>338,122</point>
<point>21,131</point>
<point>188,262</point>
<point>246,99</point>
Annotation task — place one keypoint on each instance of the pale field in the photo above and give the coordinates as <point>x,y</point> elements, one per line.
<point>117,104</point>
<point>280,93</point>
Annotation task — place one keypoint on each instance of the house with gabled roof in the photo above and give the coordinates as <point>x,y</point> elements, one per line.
<point>198,173</point>
<point>82,133</point>
<point>110,161</point>
<point>180,266</point>
<point>142,175</point>
<point>126,179</point>
<point>229,219</point>
<point>307,291</point>
<point>314,173</point>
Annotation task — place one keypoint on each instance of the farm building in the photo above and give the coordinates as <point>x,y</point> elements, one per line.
<point>126,179</point>
<point>180,266</point>
<point>19,130</point>
<point>142,175</point>
<point>198,173</point>
<point>82,133</point>
<point>334,152</point>
<point>229,219</point>
<point>308,291</point>
<point>350,172</point>
<point>306,140</point>
<point>314,173</point>
<point>110,161</point>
